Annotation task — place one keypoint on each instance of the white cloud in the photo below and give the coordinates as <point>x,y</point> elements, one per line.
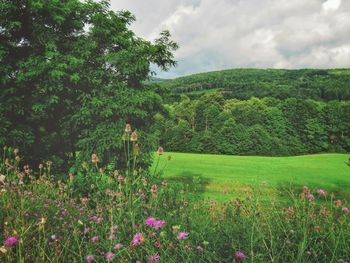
<point>247,33</point>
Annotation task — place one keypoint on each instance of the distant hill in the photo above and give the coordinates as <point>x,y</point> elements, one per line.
<point>318,84</point>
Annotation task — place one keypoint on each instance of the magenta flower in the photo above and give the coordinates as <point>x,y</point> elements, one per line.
<point>345,210</point>
<point>138,239</point>
<point>240,255</point>
<point>154,259</point>
<point>150,221</point>
<point>159,224</point>
<point>321,192</point>
<point>118,246</point>
<point>311,197</point>
<point>182,235</point>
<point>109,256</point>
<point>95,239</point>
<point>89,259</point>
<point>10,241</point>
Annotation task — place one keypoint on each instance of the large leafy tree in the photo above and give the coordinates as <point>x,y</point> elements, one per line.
<point>71,77</point>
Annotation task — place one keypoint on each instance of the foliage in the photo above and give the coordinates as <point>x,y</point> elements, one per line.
<point>72,74</point>
<point>268,126</point>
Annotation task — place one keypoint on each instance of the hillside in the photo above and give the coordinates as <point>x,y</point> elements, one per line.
<point>317,84</point>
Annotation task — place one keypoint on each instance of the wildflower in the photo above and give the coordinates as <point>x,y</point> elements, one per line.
<point>154,259</point>
<point>136,150</point>
<point>10,241</point>
<point>200,249</point>
<point>290,211</point>
<point>95,239</point>
<point>3,250</point>
<point>159,224</point>
<point>311,197</point>
<point>138,239</point>
<point>125,136</point>
<point>345,210</point>
<point>2,178</point>
<point>133,137</point>
<point>89,259</point>
<point>127,127</point>
<point>114,228</point>
<point>321,192</point>
<point>118,246</point>
<point>182,235</point>
<point>337,203</point>
<point>94,158</point>
<point>239,256</point>
<point>17,158</point>
<point>160,151</point>
<point>154,188</point>
<point>150,221</point>
<point>116,173</point>
<point>16,151</point>
<point>109,256</point>
<point>120,178</point>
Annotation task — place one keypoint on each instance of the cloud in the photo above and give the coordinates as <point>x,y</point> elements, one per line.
<point>247,33</point>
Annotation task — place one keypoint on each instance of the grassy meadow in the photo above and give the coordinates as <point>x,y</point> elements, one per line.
<point>224,174</point>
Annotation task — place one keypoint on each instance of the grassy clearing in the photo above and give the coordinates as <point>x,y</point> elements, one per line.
<point>236,174</point>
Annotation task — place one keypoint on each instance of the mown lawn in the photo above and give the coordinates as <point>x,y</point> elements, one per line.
<point>235,175</point>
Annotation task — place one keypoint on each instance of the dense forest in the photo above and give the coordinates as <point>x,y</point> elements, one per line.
<point>317,84</point>
<point>257,112</point>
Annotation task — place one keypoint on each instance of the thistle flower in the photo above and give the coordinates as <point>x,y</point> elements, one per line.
<point>89,259</point>
<point>133,137</point>
<point>321,192</point>
<point>94,158</point>
<point>182,235</point>
<point>138,239</point>
<point>109,256</point>
<point>118,246</point>
<point>150,221</point>
<point>127,127</point>
<point>160,151</point>
<point>239,256</point>
<point>95,239</point>
<point>10,241</point>
<point>154,259</point>
<point>154,188</point>
<point>345,210</point>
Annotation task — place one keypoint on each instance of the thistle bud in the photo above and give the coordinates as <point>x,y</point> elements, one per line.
<point>160,151</point>
<point>133,137</point>
<point>127,127</point>
<point>136,149</point>
<point>125,137</point>
<point>94,158</point>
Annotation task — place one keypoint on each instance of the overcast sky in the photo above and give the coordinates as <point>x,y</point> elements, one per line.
<point>221,34</point>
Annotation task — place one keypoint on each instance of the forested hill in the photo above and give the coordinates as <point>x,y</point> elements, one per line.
<point>317,84</point>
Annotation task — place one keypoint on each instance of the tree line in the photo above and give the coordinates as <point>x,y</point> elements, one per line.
<point>257,126</point>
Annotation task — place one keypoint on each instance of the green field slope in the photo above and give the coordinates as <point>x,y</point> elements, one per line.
<point>213,175</point>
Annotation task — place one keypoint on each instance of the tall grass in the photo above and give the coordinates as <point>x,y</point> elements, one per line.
<point>131,215</point>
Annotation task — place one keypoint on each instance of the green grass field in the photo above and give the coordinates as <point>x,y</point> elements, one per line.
<point>237,174</point>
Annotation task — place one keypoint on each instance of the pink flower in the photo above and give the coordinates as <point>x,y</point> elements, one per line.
<point>95,239</point>
<point>89,259</point>
<point>321,192</point>
<point>154,259</point>
<point>10,241</point>
<point>138,239</point>
<point>118,246</point>
<point>159,224</point>
<point>109,256</point>
<point>199,248</point>
<point>311,197</point>
<point>150,221</point>
<point>345,210</point>
<point>240,255</point>
<point>182,235</point>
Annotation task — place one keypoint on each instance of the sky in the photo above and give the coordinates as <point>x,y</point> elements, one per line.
<point>222,34</point>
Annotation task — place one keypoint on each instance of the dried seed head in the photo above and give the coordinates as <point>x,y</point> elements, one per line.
<point>127,127</point>
<point>133,137</point>
<point>94,158</point>
<point>160,151</point>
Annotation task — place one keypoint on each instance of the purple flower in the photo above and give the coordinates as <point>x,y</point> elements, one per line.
<point>154,259</point>
<point>182,235</point>
<point>118,246</point>
<point>150,221</point>
<point>95,239</point>
<point>138,239</point>
<point>240,255</point>
<point>311,197</point>
<point>159,224</point>
<point>10,241</point>
<point>321,192</point>
<point>109,256</point>
<point>345,210</point>
<point>89,259</point>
